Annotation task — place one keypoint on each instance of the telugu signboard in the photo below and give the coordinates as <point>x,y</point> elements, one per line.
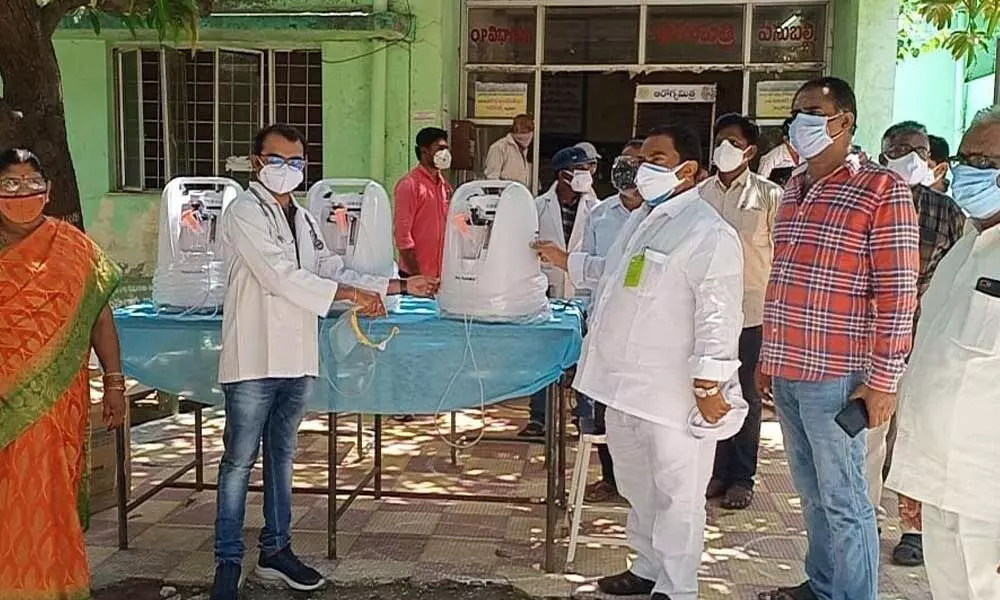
<point>774,98</point>
<point>500,100</point>
<point>673,94</point>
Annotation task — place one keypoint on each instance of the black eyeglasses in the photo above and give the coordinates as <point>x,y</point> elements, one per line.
<point>901,150</point>
<point>976,161</point>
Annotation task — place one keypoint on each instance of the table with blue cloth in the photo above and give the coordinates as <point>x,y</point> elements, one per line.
<point>426,369</point>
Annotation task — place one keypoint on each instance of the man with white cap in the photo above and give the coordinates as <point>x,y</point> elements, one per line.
<point>592,155</point>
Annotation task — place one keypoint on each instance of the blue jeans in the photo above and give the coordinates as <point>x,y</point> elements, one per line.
<point>828,468</point>
<point>271,409</point>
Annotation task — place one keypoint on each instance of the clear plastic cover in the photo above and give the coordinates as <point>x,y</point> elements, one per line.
<point>355,216</point>
<point>490,271</point>
<point>190,270</point>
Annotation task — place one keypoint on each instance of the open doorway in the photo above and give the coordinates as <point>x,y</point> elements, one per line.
<point>600,108</point>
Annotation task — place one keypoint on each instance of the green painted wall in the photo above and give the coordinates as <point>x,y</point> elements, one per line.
<point>927,91</point>
<point>420,89</point>
<point>864,53</point>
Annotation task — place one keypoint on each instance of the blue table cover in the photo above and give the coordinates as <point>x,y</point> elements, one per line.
<point>180,354</point>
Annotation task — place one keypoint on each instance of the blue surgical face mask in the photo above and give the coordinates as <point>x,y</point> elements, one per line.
<point>976,191</point>
<point>808,134</point>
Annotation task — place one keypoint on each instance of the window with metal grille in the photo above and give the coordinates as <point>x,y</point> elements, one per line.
<point>195,113</point>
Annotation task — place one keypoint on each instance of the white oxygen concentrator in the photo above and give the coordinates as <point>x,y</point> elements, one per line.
<point>490,272</point>
<point>356,220</point>
<point>190,270</point>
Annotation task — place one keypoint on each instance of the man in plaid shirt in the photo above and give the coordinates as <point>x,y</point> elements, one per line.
<point>906,149</point>
<point>838,320</point>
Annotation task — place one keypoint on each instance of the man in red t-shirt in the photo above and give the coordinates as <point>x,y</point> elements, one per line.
<point>422,206</point>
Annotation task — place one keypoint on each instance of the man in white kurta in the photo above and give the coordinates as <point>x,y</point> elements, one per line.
<point>661,353</point>
<point>947,455</point>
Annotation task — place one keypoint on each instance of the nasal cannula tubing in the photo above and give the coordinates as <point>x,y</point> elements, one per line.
<point>470,353</point>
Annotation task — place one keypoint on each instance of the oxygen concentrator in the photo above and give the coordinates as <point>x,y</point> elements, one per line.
<point>490,272</point>
<point>190,270</point>
<point>356,220</point>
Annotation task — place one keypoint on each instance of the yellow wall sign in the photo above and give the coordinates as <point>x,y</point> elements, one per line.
<point>500,100</point>
<point>774,98</point>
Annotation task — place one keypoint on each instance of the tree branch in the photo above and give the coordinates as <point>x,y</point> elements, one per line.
<point>55,10</point>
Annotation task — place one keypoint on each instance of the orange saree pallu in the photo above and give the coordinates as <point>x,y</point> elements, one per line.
<point>53,286</point>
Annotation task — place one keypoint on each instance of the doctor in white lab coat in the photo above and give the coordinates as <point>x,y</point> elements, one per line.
<point>281,278</point>
<point>662,353</point>
<point>571,194</point>
<point>947,457</point>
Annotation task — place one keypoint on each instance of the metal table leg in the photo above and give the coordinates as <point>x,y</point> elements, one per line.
<point>453,445</point>
<point>378,457</point>
<point>361,436</point>
<point>561,394</point>
<point>331,496</point>
<point>120,487</point>
<point>550,474</point>
<point>199,449</point>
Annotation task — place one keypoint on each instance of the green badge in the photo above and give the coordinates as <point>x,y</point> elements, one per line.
<point>634,273</point>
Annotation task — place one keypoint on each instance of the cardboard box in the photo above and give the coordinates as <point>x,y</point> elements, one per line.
<point>103,467</point>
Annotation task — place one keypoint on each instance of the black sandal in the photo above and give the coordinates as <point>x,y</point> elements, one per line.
<point>800,592</point>
<point>738,497</point>
<point>716,489</point>
<point>532,430</point>
<point>909,552</point>
<point>625,584</point>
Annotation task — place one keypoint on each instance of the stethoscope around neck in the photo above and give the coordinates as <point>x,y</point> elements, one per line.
<point>274,230</point>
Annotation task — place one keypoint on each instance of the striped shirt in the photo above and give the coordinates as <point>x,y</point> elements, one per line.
<point>843,286</point>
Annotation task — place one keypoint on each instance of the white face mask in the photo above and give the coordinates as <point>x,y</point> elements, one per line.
<point>581,182</point>
<point>728,157</point>
<point>809,135</point>
<point>442,159</point>
<point>656,183</point>
<point>911,168</point>
<point>280,179</point>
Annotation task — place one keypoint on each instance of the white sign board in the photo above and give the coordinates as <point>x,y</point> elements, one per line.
<point>673,94</point>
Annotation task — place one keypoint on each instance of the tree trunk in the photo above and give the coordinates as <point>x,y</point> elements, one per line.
<point>31,110</point>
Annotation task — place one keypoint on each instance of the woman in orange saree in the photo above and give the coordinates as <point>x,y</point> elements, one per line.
<point>54,290</point>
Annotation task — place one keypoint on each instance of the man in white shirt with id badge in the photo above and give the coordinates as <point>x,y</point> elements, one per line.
<point>662,354</point>
<point>946,464</point>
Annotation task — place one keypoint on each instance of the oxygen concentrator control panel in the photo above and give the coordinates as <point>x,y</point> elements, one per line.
<point>341,227</point>
<point>482,214</point>
<point>200,215</point>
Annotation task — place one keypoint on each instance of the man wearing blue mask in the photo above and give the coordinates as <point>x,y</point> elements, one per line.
<point>662,354</point>
<point>906,150</point>
<point>947,459</point>
<point>838,321</point>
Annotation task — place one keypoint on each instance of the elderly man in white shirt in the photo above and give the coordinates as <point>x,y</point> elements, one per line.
<point>947,456</point>
<point>282,278</point>
<point>507,158</point>
<point>749,203</point>
<point>605,223</point>
<point>782,157</point>
<point>661,353</point>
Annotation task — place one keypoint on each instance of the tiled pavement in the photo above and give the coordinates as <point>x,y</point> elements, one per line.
<point>171,535</point>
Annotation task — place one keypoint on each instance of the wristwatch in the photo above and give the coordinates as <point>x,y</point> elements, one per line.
<point>703,393</point>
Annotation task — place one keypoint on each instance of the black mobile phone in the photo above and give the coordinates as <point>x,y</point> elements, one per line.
<point>853,418</point>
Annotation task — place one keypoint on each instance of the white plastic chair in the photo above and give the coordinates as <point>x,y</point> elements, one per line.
<point>578,487</point>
